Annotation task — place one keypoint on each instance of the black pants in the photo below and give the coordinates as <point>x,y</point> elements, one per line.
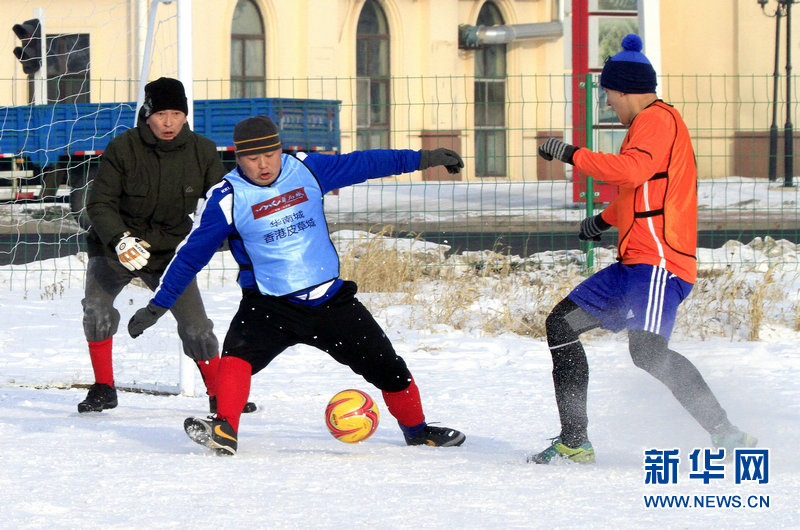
<point>105,279</point>
<point>342,327</point>
<point>648,351</point>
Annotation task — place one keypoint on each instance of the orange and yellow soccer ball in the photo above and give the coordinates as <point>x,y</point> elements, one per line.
<point>351,416</point>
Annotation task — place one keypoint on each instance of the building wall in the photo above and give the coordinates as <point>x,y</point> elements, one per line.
<point>703,41</point>
<point>310,53</point>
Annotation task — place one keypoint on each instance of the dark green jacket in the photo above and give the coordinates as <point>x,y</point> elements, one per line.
<point>149,187</point>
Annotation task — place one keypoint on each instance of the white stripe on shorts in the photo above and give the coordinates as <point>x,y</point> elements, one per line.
<point>655,300</point>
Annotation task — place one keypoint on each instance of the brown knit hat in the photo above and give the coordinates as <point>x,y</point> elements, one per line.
<point>254,135</point>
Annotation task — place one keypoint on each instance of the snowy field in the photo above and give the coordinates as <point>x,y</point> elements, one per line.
<point>133,467</point>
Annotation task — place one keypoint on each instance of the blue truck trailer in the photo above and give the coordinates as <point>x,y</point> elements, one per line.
<point>51,152</point>
<point>44,135</point>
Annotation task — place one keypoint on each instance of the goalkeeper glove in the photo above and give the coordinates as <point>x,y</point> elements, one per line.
<point>132,252</point>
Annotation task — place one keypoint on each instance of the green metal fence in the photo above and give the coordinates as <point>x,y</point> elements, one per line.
<point>532,207</point>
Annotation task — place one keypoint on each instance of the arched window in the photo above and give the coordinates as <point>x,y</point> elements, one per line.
<point>490,101</point>
<point>247,52</point>
<point>372,84</point>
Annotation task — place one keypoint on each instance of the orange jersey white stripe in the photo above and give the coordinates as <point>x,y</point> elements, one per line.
<point>656,208</point>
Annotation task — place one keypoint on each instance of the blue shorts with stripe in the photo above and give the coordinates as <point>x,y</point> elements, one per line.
<point>633,297</point>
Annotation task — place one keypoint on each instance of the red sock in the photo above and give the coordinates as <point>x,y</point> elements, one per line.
<point>100,353</point>
<point>406,405</point>
<point>233,389</point>
<point>209,370</point>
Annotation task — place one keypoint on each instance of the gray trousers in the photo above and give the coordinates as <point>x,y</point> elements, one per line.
<point>105,279</point>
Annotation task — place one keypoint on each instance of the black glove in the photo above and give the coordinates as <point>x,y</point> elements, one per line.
<point>144,318</point>
<point>555,148</point>
<point>592,227</point>
<point>441,157</point>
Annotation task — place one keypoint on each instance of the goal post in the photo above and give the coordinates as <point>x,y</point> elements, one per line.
<point>185,51</point>
<point>187,367</point>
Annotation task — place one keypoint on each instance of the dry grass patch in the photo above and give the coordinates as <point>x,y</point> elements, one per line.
<point>493,293</point>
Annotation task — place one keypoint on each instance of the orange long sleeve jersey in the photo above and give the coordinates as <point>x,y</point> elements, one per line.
<point>656,208</point>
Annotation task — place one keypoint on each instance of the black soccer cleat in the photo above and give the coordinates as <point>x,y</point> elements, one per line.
<point>248,407</point>
<point>438,437</point>
<point>213,433</point>
<point>99,398</point>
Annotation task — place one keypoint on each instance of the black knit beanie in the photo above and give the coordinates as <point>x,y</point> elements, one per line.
<point>164,93</point>
<point>629,71</point>
<point>254,135</point>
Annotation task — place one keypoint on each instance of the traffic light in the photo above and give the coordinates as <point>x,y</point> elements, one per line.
<point>30,53</point>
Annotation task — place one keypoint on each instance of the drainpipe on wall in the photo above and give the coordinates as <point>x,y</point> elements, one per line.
<point>470,37</point>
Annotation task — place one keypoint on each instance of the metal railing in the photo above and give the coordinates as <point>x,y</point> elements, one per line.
<point>535,207</point>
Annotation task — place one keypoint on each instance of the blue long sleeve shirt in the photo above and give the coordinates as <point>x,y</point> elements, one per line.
<point>214,224</point>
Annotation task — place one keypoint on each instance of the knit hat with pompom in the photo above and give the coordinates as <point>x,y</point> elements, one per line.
<point>629,71</point>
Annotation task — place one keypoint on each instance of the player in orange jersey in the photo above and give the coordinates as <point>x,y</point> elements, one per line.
<point>656,215</point>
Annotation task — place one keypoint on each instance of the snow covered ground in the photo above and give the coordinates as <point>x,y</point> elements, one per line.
<point>134,466</point>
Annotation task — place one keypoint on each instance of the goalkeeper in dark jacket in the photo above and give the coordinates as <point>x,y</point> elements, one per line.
<point>149,183</point>
<point>270,209</point>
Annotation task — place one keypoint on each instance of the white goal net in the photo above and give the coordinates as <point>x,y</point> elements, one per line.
<point>55,121</point>
<point>43,344</point>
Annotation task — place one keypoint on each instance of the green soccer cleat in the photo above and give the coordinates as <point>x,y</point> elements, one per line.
<point>558,452</point>
<point>213,433</point>
<point>731,440</point>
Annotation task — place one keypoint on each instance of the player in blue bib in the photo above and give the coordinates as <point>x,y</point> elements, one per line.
<point>270,210</point>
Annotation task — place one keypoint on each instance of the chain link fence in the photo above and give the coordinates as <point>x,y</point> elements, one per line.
<point>507,201</point>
